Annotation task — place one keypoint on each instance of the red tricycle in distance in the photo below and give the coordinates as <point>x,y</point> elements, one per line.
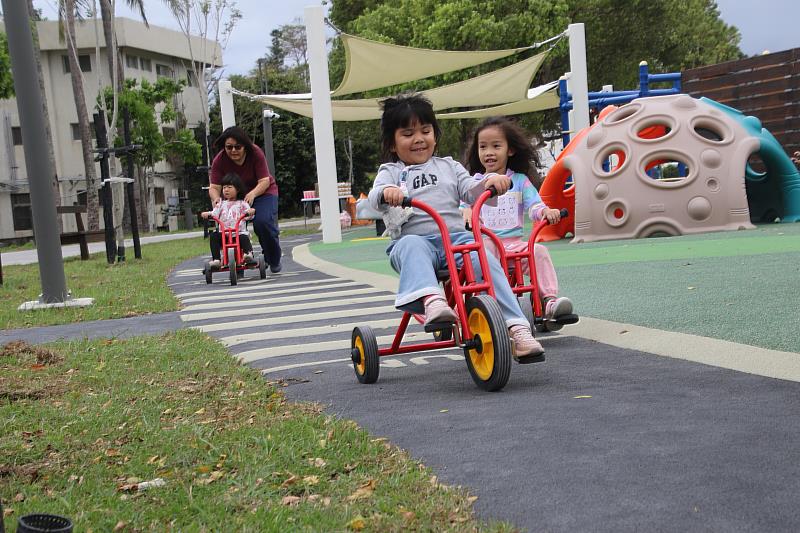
<point>232,256</point>
<point>480,331</point>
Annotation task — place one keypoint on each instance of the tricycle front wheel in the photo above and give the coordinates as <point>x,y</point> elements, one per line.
<point>232,266</point>
<point>364,352</point>
<point>489,357</point>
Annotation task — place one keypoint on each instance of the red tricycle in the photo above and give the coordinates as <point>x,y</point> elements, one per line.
<point>232,257</point>
<point>480,331</point>
<point>527,293</point>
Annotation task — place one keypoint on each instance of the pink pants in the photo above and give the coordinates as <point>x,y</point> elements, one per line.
<point>546,279</point>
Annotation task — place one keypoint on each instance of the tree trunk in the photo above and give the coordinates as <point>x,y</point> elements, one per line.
<point>48,132</point>
<point>93,204</point>
<point>107,14</point>
<point>142,196</point>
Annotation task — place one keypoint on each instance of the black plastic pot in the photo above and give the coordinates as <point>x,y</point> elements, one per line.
<point>44,523</point>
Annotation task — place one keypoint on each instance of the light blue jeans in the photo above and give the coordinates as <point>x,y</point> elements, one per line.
<point>417,258</point>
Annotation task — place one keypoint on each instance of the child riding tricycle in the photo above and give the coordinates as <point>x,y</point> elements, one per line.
<point>480,329</point>
<point>231,249</point>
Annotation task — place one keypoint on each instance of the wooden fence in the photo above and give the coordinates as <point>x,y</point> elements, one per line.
<point>767,87</point>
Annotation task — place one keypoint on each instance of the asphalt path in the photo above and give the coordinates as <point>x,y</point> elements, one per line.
<point>597,438</point>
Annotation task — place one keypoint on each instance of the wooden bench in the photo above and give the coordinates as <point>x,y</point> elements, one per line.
<point>82,236</point>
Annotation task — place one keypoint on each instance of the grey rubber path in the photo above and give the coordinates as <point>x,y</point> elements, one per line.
<point>597,438</point>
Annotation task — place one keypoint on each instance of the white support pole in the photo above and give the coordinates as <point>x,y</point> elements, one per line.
<point>323,125</point>
<point>578,80</point>
<point>226,104</point>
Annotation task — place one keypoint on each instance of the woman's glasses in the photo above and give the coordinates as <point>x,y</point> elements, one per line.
<point>233,147</point>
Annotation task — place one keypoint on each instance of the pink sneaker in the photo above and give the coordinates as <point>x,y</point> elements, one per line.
<point>524,347</point>
<point>437,310</point>
<point>556,307</point>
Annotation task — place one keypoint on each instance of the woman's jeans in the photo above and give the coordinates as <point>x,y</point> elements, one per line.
<point>265,226</point>
<point>417,258</point>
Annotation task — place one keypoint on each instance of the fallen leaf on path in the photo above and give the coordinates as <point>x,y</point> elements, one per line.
<point>290,500</point>
<point>357,524</point>
<point>364,491</point>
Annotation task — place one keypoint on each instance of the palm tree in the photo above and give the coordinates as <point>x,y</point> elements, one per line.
<point>68,11</point>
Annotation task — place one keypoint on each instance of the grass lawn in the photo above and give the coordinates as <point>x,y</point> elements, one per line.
<point>82,424</point>
<point>134,287</point>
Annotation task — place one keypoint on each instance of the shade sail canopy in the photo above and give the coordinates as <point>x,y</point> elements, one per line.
<point>372,64</point>
<point>539,99</point>
<point>503,86</point>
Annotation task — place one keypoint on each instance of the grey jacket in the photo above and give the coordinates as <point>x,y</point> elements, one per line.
<point>441,182</point>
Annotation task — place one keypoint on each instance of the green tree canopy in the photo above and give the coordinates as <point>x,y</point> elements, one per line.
<point>141,100</point>
<point>6,81</point>
<point>670,35</point>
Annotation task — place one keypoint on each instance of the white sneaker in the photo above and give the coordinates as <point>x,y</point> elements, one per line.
<point>556,307</point>
<point>437,310</point>
<point>525,348</point>
<point>248,257</point>
<point>214,263</point>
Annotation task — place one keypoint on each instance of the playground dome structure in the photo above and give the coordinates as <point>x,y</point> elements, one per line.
<point>619,191</point>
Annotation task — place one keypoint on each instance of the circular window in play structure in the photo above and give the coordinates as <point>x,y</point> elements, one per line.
<point>709,129</point>
<point>623,113</point>
<point>617,213</point>
<point>666,170</point>
<point>611,160</point>
<point>654,129</point>
<point>755,170</point>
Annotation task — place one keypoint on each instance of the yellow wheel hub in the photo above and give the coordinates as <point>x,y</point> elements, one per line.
<point>361,366</point>
<point>483,361</point>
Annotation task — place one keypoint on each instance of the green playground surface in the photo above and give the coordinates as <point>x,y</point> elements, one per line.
<point>740,286</point>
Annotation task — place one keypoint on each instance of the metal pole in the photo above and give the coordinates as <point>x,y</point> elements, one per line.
<point>266,123</point>
<point>226,112</point>
<point>323,125</point>
<point>105,174</point>
<point>578,80</point>
<point>126,131</point>
<point>30,102</point>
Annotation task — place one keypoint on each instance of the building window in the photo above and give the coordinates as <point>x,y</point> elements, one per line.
<point>158,193</point>
<point>83,198</point>
<point>131,61</point>
<point>163,71</point>
<point>16,135</point>
<point>21,212</point>
<point>145,64</point>
<point>84,60</point>
<point>76,131</point>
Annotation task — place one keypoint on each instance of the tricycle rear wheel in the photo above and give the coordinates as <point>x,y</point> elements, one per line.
<point>262,266</point>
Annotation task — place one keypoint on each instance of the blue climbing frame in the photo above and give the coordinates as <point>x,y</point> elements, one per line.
<point>601,99</point>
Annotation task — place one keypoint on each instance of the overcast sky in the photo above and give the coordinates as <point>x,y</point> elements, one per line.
<point>772,25</point>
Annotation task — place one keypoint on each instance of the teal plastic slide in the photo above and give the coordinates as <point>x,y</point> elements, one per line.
<point>774,193</point>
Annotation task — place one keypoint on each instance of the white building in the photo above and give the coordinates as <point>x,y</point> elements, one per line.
<point>145,53</point>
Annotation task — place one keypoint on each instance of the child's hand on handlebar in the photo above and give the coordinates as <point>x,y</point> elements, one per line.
<point>500,182</point>
<point>553,216</point>
<point>393,195</point>
<point>250,213</point>
<point>205,214</point>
